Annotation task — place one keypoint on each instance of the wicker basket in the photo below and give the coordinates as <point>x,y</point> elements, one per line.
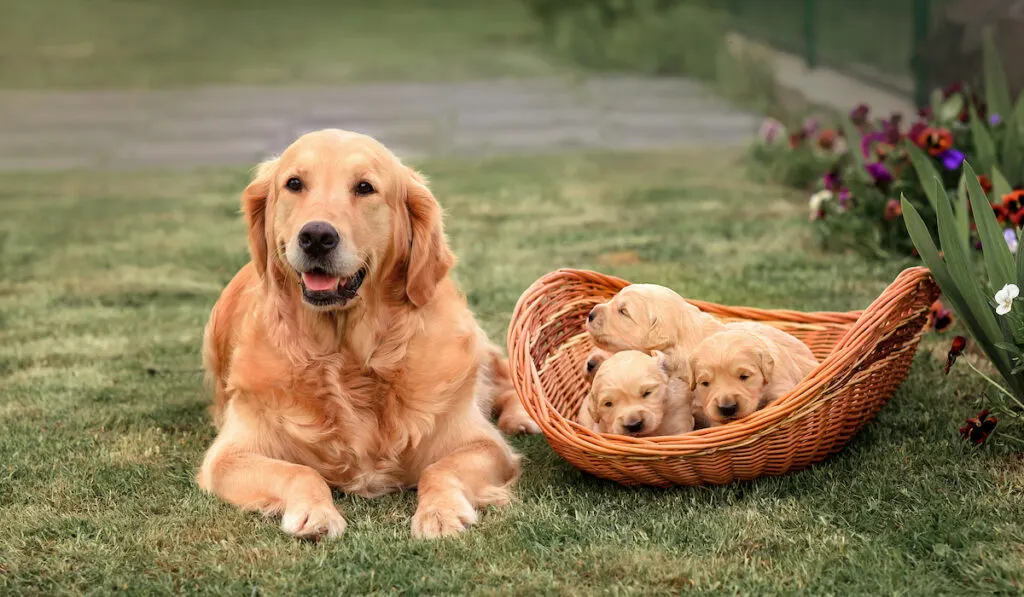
<point>865,356</point>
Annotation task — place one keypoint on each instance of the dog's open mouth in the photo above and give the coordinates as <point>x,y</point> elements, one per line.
<point>322,289</point>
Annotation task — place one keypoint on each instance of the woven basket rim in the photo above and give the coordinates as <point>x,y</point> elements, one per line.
<point>863,331</point>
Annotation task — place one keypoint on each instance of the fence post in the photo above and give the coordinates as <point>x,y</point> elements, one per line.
<point>810,33</point>
<point>922,22</point>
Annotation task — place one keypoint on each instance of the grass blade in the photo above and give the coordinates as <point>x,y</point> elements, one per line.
<point>998,259</point>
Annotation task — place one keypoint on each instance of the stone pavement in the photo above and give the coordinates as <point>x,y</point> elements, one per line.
<point>215,126</point>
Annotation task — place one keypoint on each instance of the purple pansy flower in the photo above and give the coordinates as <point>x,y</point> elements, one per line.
<point>951,158</point>
<point>993,119</point>
<point>879,172</point>
<point>832,180</point>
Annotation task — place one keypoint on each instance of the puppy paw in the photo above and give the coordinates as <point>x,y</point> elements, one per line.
<point>444,519</point>
<point>313,522</point>
<point>516,422</point>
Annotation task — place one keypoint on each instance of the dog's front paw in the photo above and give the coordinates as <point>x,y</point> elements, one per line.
<point>313,521</point>
<point>443,519</point>
<point>516,422</point>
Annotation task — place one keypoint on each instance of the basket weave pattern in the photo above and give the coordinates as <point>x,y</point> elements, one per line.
<point>865,356</point>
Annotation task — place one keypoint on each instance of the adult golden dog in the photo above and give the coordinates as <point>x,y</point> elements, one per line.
<point>343,356</point>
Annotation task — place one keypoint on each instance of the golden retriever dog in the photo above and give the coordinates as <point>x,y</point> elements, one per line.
<point>593,362</point>
<point>744,368</point>
<point>650,317</point>
<point>342,355</point>
<point>639,395</point>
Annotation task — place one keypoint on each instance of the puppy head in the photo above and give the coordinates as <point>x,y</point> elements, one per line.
<point>593,362</point>
<point>629,395</point>
<point>639,317</point>
<point>336,213</point>
<point>729,372</point>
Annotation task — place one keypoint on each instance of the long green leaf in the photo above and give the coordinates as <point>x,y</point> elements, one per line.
<point>951,290</point>
<point>963,215</point>
<point>998,259</point>
<point>1000,186</point>
<point>1020,266</point>
<point>926,173</point>
<point>984,146</point>
<point>997,92</point>
<point>1013,144</point>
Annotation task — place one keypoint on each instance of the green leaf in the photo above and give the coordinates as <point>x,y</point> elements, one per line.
<point>963,215</point>
<point>951,291</point>
<point>926,172</point>
<point>998,259</point>
<point>1009,347</point>
<point>951,108</point>
<point>1012,150</point>
<point>1000,186</point>
<point>984,146</point>
<point>853,141</point>
<point>1020,266</point>
<point>997,92</point>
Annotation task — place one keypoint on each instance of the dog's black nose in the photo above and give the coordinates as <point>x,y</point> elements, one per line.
<point>592,314</point>
<point>591,364</point>
<point>728,410</point>
<point>317,239</point>
<point>634,427</point>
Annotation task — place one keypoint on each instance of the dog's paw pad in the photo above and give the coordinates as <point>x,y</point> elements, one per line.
<point>313,522</point>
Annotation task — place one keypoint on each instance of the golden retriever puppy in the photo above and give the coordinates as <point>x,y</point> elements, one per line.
<point>594,361</point>
<point>744,368</point>
<point>342,355</point>
<point>650,317</point>
<point>639,395</point>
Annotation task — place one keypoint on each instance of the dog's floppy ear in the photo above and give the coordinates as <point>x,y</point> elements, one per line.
<point>586,416</point>
<point>430,259</point>
<point>692,371</point>
<point>254,206</point>
<point>764,359</point>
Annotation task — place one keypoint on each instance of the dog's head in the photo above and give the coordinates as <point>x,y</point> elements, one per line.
<point>593,362</point>
<point>629,395</point>
<point>336,213</point>
<point>729,372</point>
<point>639,317</point>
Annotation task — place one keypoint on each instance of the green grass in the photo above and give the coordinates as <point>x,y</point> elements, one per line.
<point>106,277</point>
<point>170,43</point>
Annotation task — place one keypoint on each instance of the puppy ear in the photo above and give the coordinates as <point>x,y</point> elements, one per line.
<point>692,369</point>
<point>587,415</point>
<point>430,259</point>
<point>766,363</point>
<point>254,206</point>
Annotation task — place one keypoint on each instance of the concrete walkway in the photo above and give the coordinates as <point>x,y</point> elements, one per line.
<point>216,126</point>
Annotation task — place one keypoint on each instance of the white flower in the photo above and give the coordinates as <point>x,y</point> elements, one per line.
<point>1004,298</point>
<point>1011,239</point>
<point>817,200</point>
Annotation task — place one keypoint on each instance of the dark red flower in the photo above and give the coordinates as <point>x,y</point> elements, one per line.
<point>936,140</point>
<point>797,138</point>
<point>1013,204</point>
<point>952,89</point>
<point>827,139</point>
<point>976,430</point>
<point>859,115</point>
<point>940,318</point>
<point>916,129</point>
<point>985,182</point>
<point>1000,211</point>
<point>925,112</point>
<point>893,209</point>
<point>955,350</point>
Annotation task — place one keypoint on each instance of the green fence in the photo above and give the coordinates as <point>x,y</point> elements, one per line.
<point>871,39</point>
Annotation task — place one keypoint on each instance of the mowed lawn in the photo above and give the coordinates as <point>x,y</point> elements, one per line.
<point>106,281</point>
<point>173,43</point>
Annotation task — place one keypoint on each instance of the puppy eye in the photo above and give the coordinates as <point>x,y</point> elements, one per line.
<point>622,311</point>
<point>608,404</point>
<point>364,188</point>
<point>646,393</point>
<point>744,377</point>
<point>294,184</point>
<point>705,383</point>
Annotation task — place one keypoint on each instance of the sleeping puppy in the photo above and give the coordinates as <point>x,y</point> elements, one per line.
<point>593,362</point>
<point>650,317</point>
<point>742,369</point>
<point>639,395</point>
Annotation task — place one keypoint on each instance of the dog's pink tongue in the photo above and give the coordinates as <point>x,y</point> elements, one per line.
<point>318,282</point>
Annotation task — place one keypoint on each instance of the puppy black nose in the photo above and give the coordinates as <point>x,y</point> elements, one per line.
<point>591,364</point>
<point>317,239</point>
<point>635,427</point>
<point>592,314</point>
<point>728,410</point>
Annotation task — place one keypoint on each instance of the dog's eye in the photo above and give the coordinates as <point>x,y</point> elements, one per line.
<point>294,184</point>
<point>623,312</point>
<point>705,383</point>
<point>646,393</point>
<point>364,188</point>
<point>744,377</point>
<point>608,404</point>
